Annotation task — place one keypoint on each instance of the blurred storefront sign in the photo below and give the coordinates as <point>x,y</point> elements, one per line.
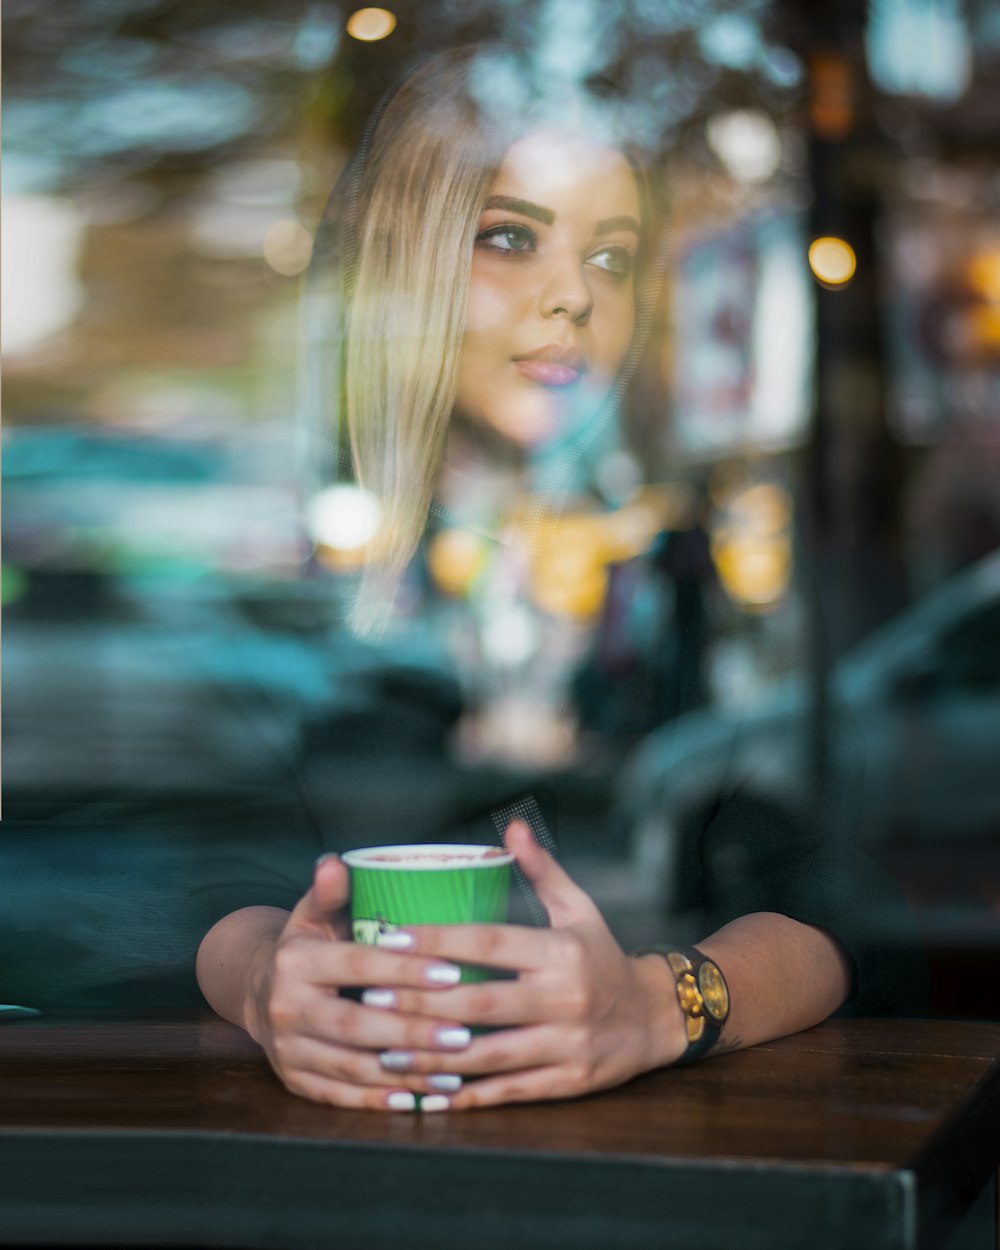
<point>943,323</point>
<point>744,325</point>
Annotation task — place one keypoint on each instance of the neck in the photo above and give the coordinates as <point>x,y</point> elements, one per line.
<point>480,478</point>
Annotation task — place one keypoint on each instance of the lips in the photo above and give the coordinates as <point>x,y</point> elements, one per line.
<point>551,365</point>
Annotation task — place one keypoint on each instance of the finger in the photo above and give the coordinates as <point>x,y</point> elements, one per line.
<point>561,897</point>
<point>507,1050</point>
<point>328,895</point>
<point>497,1003</point>
<point>534,1085</point>
<point>517,948</point>
<point>368,1068</point>
<point>323,1089</point>
<point>334,965</point>
<point>340,1022</point>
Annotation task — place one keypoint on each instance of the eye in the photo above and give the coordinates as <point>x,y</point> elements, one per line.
<point>618,261</point>
<point>507,240</point>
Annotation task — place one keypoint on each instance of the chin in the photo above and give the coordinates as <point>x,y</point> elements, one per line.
<point>529,431</point>
<point>533,420</point>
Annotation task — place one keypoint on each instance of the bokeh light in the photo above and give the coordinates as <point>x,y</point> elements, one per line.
<point>42,292</point>
<point>747,143</point>
<point>832,261</point>
<point>752,546</point>
<point>371,24</point>
<point>288,247</point>
<point>343,518</point>
<point>455,557</point>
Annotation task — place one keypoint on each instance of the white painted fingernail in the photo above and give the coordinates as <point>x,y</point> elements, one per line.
<point>434,1102</point>
<point>446,1081</point>
<point>396,941</point>
<point>401,1100</point>
<point>443,974</point>
<point>396,1060</point>
<point>452,1038</point>
<point>379,998</point>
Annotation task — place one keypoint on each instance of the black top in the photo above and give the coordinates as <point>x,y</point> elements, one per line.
<point>215,788</point>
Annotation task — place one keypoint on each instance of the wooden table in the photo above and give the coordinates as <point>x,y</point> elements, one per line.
<point>856,1134</point>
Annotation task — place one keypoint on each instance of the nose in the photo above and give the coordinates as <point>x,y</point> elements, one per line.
<point>565,292</point>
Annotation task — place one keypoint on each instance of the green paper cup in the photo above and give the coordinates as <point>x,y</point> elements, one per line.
<point>395,886</point>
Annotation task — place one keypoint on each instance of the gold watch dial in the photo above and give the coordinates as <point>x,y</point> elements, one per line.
<point>714,991</point>
<point>689,996</point>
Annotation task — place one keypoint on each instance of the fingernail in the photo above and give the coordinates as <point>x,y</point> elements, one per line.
<point>396,941</point>
<point>401,1100</point>
<point>379,998</point>
<point>446,1081</point>
<point>443,974</point>
<point>434,1102</point>
<point>396,1060</point>
<point>451,1038</point>
<point>323,858</point>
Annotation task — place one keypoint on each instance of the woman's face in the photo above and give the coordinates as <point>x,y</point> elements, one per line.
<point>552,293</point>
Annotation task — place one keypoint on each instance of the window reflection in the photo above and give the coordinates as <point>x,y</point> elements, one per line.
<point>789,471</point>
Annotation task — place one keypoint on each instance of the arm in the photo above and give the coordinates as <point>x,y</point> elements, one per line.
<point>234,962</point>
<point>783,976</point>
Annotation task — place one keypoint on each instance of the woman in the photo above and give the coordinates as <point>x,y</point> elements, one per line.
<point>494,247</point>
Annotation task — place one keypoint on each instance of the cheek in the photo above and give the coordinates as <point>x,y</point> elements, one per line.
<point>490,307</point>
<point>614,335</point>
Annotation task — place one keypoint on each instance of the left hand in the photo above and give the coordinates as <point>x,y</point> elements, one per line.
<point>581,1015</point>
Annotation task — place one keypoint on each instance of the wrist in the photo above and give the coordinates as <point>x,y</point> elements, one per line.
<point>700,994</point>
<point>257,992</point>
<point>665,1032</point>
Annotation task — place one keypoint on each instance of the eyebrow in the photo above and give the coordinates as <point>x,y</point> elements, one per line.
<point>546,216</point>
<point>610,224</point>
<point>525,207</point>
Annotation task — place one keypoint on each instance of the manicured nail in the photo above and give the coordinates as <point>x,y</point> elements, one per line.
<point>434,1102</point>
<point>446,1081</point>
<point>379,998</point>
<point>396,941</point>
<point>443,974</point>
<point>396,1060</point>
<point>401,1100</point>
<point>449,1038</point>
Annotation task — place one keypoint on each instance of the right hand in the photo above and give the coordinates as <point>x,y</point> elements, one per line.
<point>326,1047</point>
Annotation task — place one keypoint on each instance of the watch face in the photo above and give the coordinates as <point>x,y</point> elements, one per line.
<point>714,991</point>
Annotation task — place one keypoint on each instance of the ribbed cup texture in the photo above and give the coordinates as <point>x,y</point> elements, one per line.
<point>385,899</point>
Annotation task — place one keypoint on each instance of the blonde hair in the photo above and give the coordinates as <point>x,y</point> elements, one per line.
<point>419,199</point>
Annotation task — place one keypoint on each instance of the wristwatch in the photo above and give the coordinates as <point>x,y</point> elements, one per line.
<point>702,994</point>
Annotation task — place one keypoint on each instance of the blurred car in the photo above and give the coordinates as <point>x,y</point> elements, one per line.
<point>180,736</point>
<point>910,739</point>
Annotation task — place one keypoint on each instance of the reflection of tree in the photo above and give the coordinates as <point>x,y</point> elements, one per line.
<point>120,84</point>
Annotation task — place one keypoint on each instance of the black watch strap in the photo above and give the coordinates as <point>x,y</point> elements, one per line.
<point>702,995</point>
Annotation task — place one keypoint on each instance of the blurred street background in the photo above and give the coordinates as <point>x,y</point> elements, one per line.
<point>805,531</point>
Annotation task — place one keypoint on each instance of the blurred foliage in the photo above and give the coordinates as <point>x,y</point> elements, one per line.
<point>122,87</point>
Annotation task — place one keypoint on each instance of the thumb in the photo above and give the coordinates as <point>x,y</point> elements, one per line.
<point>558,893</point>
<point>317,909</point>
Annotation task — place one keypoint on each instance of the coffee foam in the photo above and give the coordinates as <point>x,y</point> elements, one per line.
<point>428,856</point>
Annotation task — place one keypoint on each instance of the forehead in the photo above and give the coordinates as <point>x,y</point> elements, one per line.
<point>554,169</point>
